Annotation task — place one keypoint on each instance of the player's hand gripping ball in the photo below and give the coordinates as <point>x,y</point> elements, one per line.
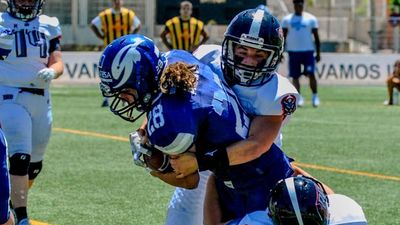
<point>158,161</point>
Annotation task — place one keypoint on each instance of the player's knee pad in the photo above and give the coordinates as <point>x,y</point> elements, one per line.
<point>34,169</point>
<point>19,164</point>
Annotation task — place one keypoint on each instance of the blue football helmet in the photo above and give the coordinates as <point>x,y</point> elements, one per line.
<point>254,28</point>
<point>299,200</point>
<point>25,10</point>
<point>131,61</point>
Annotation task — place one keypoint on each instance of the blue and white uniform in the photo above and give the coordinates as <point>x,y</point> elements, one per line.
<point>342,209</point>
<point>25,108</point>
<point>276,97</point>
<point>210,118</point>
<point>4,181</point>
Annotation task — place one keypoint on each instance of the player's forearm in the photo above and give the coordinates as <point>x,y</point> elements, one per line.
<point>96,32</point>
<point>56,63</point>
<point>263,132</point>
<point>166,43</point>
<point>300,171</point>
<point>137,29</point>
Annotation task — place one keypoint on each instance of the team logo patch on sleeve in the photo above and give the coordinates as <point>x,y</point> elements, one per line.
<point>288,104</point>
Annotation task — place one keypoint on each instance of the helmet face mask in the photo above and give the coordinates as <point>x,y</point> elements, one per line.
<point>129,71</point>
<point>254,29</point>
<point>298,199</point>
<point>25,9</point>
<point>126,103</point>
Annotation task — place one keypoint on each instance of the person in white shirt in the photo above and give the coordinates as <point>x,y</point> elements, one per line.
<point>300,30</point>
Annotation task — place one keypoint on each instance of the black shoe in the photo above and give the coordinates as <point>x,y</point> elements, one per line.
<point>105,103</point>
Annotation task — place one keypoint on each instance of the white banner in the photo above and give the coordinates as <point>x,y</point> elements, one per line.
<point>80,68</point>
<point>351,69</point>
<point>334,68</point>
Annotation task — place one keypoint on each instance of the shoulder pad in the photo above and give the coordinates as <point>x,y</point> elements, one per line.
<point>276,97</point>
<point>207,53</point>
<point>287,95</point>
<point>1,17</point>
<point>352,213</point>
<point>50,21</point>
<point>51,24</point>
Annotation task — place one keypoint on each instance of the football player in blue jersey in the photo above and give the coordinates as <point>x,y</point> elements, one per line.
<point>25,104</point>
<point>247,61</point>
<point>6,216</point>
<point>189,109</point>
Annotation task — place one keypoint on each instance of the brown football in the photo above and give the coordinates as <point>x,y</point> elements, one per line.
<point>158,161</point>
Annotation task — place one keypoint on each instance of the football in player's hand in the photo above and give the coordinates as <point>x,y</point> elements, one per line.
<point>158,161</point>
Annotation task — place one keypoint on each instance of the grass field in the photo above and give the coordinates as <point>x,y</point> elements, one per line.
<point>351,142</point>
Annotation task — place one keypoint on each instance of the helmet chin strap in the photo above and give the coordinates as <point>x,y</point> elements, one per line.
<point>293,198</point>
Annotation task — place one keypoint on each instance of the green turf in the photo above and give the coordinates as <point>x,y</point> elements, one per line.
<point>91,180</point>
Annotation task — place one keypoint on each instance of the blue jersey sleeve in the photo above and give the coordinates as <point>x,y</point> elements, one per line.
<point>4,181</point>
<point>172,124</point>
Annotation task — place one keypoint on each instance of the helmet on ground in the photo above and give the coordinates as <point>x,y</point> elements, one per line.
<point>257,29</point>
<point>130,62</point>
<point>299,200</point>
<point>25,9</point>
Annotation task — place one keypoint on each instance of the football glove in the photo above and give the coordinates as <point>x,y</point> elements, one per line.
<point>47,74</point>
<point>138,150</point>
<point>6,42</point>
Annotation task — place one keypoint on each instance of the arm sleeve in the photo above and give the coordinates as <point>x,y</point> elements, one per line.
<point>54,45</point>
<point>315,23</point>
<point>285,23</point>
<point>52,25</point>
<point>97,23</point>
<point>136,22</point>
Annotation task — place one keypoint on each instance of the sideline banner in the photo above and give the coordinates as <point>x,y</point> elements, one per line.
<point>334,68</point>
<point>80,68</point>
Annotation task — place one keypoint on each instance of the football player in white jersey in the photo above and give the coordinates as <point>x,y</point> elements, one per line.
<point>302,200</point>
<point>25,108</point>
<point>250,54</point>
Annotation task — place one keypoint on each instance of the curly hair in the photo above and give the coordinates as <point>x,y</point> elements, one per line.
<point>178,76</point>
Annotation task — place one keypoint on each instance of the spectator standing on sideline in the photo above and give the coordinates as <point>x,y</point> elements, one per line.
<point>25,104</point>
<point>299,28</point>
<point>392,82</point>
<point>113,23</point>
<point>184,31</point>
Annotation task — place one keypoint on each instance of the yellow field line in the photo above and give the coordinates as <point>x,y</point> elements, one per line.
<point>305,165</point>
<point>34,222</point>
<point>92,134</point>
<point>352,172</point>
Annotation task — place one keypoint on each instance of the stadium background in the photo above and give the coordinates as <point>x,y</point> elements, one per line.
<point>345,25</point>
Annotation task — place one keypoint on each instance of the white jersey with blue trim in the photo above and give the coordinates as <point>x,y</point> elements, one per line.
<point>342,209</point>
<point>30,51</point>
<point>276,97</point>
<point>345,211</point>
